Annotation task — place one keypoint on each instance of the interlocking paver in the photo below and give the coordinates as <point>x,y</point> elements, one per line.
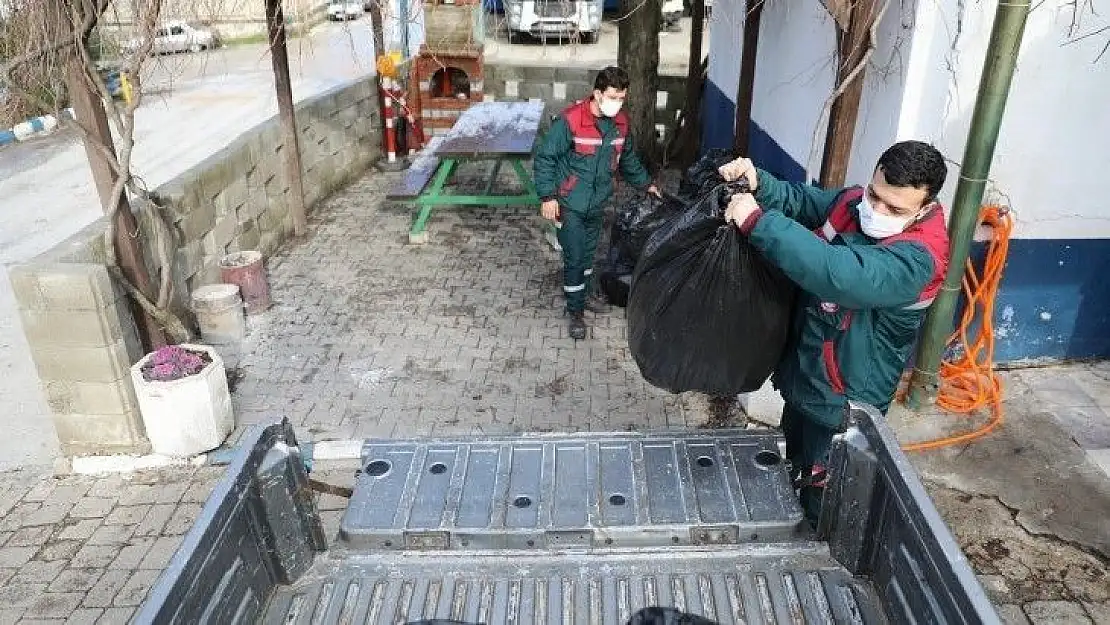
<point>116,616</point>
<point>155,519</point>
<point>84,616</point>
<point>56,605</point>
<point>75,580</point>
<point>37,571</point>
<point>136,587</point>
<point>79,530</point>
<point>92,507</point>
<point>106,588</point>
<point>30,536</point>
<point>15,557</point>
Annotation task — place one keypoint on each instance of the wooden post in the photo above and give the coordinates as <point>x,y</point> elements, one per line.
<point>88,109</point>
<point>852,44</point>
<point>742,136</point>
<point>291,150</point>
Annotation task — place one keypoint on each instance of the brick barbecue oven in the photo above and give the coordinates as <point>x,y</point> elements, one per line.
<point>447,74</point>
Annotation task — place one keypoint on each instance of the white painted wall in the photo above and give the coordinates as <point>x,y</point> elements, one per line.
<point>1051,159</point>
<point>726,41</point>
<point>794,73</point>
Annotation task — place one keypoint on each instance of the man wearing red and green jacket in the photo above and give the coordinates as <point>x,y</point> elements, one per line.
<point>575,167</point>
<point>869,261</point>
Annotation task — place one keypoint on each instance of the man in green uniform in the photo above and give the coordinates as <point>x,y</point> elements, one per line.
<point>575,168</point>
<point>869,260</point>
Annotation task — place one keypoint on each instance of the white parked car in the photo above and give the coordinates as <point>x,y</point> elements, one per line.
<point>554,19</point>
<point>178,36</point>
<point>343,11</point>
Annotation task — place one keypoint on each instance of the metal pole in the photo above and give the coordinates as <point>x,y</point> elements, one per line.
<point>291,151</point>
<point>990,104</point>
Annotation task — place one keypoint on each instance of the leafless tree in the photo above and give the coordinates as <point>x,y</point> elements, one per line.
<point>50,58</point>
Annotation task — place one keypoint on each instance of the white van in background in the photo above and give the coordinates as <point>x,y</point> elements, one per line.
<point>554,19</point>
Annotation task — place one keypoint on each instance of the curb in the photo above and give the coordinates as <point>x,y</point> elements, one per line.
<point>33,127</point>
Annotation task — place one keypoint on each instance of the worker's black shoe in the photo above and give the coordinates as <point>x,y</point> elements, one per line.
<point>597,306</point>
<point>577,326</point>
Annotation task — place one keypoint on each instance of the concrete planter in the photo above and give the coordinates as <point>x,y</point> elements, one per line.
<point>188,416</point>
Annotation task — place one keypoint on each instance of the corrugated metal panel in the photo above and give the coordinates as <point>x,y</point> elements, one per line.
<point>745,584</point>
<point>616,490</point>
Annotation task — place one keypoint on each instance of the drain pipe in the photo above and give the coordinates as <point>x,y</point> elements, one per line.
<point>990,104</point>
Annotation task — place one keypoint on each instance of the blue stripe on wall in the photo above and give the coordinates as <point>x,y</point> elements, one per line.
<point>718,119</point>
<point>1054,302</point>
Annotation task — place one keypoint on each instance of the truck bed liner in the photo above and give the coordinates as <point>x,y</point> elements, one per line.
<point>794,583</point>
<point>530,529</point>
<point>721,487</point>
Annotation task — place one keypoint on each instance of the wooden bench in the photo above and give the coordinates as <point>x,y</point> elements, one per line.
<point>417,176</point>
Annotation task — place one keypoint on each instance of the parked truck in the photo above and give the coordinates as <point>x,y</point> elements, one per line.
<point>577,528</point>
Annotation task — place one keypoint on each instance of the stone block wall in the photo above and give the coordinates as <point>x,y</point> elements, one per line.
<point>559,87</point>
<point>79,324</point>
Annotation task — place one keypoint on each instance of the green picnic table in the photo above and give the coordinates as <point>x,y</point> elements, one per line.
<point>502,132</point>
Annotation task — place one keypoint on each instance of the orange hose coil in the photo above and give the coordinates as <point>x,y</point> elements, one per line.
<point>968,382</point>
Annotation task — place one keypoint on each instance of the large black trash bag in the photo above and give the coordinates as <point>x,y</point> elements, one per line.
<point>706,311</point>
<point>636,220</point>
<point>701,177</point>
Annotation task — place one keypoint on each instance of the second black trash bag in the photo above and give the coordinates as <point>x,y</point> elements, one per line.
<point>706,312</point>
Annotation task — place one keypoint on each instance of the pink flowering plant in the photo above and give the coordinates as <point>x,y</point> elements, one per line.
<point>174,362</point>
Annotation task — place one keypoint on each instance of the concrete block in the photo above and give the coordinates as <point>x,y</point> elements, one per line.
<point>537,90</point>
<point>187,258</point>
<point>232,197</point>
<point>270,243</point>
<point>81,364</point>
<point>535,73</point>
<point>63,286</point>
<point>100,433</point>
<point>575,74</point>
<point>222,233</point>
<point>268,222</point>
<point>249,237</point>
<point>504,72</point>
<point>73,328</point>
<point>196,224</point>
<point>65,397</point>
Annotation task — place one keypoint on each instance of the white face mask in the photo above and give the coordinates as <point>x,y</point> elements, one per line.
<point>877,225</point>
<point>609,108</point>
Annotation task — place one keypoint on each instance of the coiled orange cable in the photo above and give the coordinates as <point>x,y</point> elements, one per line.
<point>968,381</point>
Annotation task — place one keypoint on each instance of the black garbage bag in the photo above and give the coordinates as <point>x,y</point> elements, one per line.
<point>701,177</point>
<point>706,311</point>
<point>667,616</point>
<point>616,287</point>
<point>636,220</point>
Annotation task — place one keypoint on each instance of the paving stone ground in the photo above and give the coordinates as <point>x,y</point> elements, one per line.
<point>372,337</point>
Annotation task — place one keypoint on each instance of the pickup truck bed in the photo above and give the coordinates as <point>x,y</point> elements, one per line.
<point>572,529</point>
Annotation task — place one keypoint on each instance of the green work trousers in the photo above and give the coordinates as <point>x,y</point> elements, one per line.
<point>578,237</point>
<point>807,444</point>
